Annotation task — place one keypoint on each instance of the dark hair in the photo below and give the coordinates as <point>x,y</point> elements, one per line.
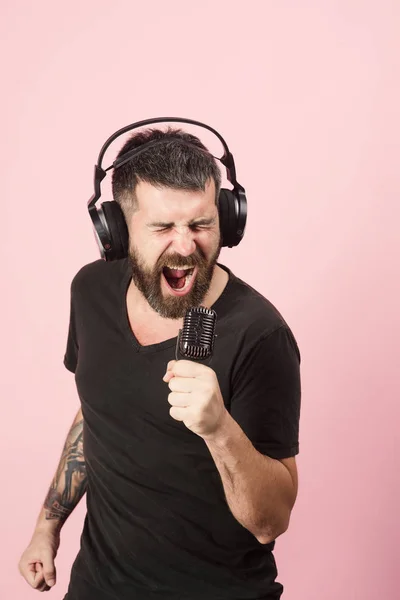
<point>181,162</point>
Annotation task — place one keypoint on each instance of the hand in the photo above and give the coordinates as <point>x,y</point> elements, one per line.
<point>195,397</point>
<point>37,562</point>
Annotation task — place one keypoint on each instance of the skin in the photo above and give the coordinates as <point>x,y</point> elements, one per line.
<point>195,397</point>
<point>182,244</point>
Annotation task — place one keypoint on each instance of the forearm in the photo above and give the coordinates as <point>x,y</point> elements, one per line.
<point>258,489</point>
<point>68,484</point>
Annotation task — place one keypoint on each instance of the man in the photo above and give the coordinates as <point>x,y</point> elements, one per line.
<point>189,469</point>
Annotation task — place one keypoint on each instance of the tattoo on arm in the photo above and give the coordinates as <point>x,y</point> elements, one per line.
<point>70,481</point>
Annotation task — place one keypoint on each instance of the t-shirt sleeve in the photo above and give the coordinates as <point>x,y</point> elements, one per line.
<point>71,353</point>
<point>266,394</point>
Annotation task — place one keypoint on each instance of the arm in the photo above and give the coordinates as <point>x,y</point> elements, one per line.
<point>260,490</point>
<point>67,488</point>
<point>69,482</point>
<point>264,411</point>
<point>263,423</point>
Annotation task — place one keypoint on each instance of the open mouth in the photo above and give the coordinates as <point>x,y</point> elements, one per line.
<point>179,280</point>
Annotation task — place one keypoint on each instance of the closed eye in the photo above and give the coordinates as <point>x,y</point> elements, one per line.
<point>199,226</point>
<point>192,227</point>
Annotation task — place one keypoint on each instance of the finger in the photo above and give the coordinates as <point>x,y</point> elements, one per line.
<point>189,368</point>
<point>168,376</point>
<point>179,399</point>
<point>30,574</point>
<point>40,583</point>
<point>43,587</point>
<point>49,569</point>
<point>182,384</point>
<point>177,413</point>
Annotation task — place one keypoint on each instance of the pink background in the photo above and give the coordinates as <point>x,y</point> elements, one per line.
<point>307,95</point>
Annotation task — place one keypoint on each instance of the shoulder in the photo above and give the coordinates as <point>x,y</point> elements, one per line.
<point>256,321</point>
<point>98,273</point>
<point>251,308</point>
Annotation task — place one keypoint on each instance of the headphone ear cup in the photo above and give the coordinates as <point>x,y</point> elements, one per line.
<point>118,229</point>
<point>227,217</point>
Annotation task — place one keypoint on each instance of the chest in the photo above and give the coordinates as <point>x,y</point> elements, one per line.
<point>150,331</point>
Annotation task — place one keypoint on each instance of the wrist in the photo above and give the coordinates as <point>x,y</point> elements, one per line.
<point>222,434</point>
<point>48,526</point>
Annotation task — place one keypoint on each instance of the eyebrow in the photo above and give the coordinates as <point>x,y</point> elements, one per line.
<point>192,222</point>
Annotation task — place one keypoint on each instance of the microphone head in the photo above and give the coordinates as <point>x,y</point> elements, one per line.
<point>196,339</point>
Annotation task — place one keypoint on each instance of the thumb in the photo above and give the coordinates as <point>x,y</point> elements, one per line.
<point>49,569</point>
<point>33,574</point>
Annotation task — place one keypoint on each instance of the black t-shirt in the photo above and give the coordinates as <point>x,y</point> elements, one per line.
<point>158,524</point>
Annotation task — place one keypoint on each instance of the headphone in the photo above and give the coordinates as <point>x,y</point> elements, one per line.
<point>110,229</point>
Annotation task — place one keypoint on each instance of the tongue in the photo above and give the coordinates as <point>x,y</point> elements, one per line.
<point>177,283</point>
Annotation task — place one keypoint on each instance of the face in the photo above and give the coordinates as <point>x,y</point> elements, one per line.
<point>179,229</point>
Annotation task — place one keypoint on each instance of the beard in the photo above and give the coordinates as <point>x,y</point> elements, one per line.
<point>148,281</point>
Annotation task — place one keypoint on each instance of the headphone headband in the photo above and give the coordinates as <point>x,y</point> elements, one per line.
<point>138,124</point>
<point>122,160</point>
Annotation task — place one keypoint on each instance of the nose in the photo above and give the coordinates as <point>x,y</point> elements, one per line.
<point>184,242</point>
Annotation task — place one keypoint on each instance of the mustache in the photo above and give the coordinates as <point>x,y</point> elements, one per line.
<point>180,261</point>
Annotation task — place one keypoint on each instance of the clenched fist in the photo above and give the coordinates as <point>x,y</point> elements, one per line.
<point>37,562</point>
<point>195,397</point>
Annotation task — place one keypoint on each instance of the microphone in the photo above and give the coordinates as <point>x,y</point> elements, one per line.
<point>196,338</point>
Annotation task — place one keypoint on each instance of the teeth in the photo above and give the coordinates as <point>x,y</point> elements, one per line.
<point>178,268</point>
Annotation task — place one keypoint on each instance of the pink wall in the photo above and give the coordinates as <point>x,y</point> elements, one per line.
<point>307,95</point>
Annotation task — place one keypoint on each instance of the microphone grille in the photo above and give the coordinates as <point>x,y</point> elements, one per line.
<point>197,336</point>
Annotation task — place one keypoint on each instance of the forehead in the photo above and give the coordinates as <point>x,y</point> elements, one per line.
<point>175,205</point>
